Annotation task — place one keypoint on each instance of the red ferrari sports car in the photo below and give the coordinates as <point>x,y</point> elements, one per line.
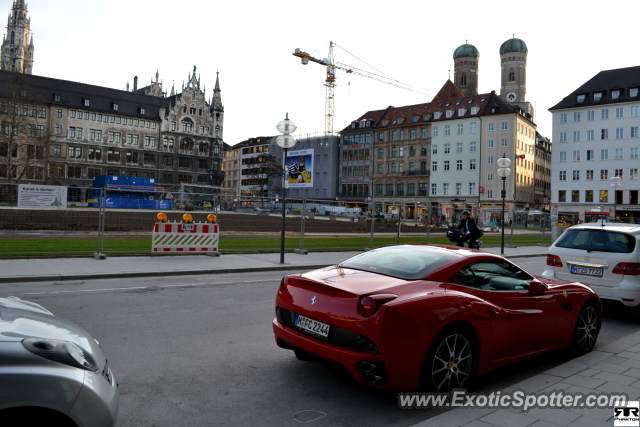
<point>430,317</point>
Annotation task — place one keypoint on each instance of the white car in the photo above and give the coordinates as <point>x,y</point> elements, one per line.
<point>604,256</point>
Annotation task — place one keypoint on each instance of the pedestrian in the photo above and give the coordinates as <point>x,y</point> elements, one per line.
<point>510,223</point>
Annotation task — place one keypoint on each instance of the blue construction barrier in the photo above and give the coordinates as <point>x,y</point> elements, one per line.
<point>125,203</point>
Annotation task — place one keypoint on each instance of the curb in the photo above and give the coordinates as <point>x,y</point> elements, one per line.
<point>63,277</point>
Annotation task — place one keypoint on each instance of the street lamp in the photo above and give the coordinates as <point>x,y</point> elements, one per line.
<point>286,141</point>
<point>615,185</point>
<point>503,172</point>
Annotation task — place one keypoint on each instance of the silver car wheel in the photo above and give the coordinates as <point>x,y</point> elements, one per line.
<point>452,363</point>
<point>587,329</point>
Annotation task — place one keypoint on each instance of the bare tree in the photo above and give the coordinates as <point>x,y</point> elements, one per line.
<point>26,133</point>
<point>264,170</point>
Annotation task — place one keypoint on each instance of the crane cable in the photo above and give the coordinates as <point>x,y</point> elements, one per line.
<point>366,63</point>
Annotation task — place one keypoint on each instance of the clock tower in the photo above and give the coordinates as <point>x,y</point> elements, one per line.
<point>513,62</point>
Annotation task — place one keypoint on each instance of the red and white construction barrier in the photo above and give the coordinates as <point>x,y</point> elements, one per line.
<point>195,238</point>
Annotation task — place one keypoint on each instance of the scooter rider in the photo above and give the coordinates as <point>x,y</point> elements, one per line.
<point>468,229</point>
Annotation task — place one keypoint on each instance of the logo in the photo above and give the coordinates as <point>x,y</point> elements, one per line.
<point>313,300</point>
<point>627,415</point>
<point>587,259</point>
<point>565,294</point>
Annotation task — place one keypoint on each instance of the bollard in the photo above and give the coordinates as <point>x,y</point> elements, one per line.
<point>302,251</point>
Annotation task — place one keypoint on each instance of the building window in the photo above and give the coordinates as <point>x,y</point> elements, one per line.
<point>619,173</point>
<point>434,149</point>
<point>447,148</point>
<point>604,196</point>
<point>449,113</point>
<point>604,114</point>
<point>590,115</point>
<point>489,177</point>
<point>562,196</point>
<point>633,152</point>
<point>472,164</point>
<point>460,129</point>
<point>472,147</point>
<point>445,189</point>
<point>378,189</point>
<point>590,135</point>
<point>473,128</point>
<point>633,173</point>
<point>434,131</point>
<point>447,130</point>
<point>503,143</point>
<point>604,154</point>
<point>575,194</point>
<point>615,94</point>
<point>619,153</point>
<point>114,106</point>
<point>634,132</point>
<point>490,160</point>
<point>459,165</point>
<point>394,135</point>
<point>446,165</point>
<point>562,176</point>
<point>590,175</point>
<point>458,188</point>
<point>434,189</point>
<point>389,190</point>
<point>380,153</point>
<point>412,134</point>
<point>504,126</point>
<point>459,147</point>
<point>576,156</point>
<point>412,150</point>
<point>490,143</point>
<point>424,132</point>
<point>563,117</point>
<point>576,116</point>
<point>604,174</point>
<point>434,166</point>
<point>619,133</point>
<point>634,110</point>
<point>619,112</point>
<point>576,175</point>
<point>604,134</point>
<point>563,137</point>
<point>590,155</point>
<point>381,137</point>
<point>472,188</point>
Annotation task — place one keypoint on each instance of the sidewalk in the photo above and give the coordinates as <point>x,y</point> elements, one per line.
<point>614,367</point>
<point>39,269</point>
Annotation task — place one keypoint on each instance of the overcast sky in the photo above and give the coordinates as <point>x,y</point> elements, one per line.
<point>250,42</point>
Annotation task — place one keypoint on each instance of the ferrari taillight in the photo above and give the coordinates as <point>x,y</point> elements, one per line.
<point>283,284</point>
<point>554,261</point>
<point>369,304</point>
<point>627,268</point>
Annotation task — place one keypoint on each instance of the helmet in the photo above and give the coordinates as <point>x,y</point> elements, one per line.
<point>466,213</point>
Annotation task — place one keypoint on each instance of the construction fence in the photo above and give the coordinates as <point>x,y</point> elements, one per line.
<point>89,224</point>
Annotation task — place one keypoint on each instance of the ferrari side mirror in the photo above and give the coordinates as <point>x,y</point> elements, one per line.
<point>536,287</point>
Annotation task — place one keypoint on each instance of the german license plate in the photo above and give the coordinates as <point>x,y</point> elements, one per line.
<point>586,271</point>
<point>312,326</point>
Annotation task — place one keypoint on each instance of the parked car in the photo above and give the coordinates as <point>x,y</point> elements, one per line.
<point>430,317</point>
<point>52,372</point>
<point>604,256</point>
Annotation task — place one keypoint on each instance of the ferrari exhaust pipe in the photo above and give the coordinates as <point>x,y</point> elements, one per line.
<point>367,366</point>
<point>371,378</point>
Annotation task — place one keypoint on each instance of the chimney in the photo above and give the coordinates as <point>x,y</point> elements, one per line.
<point>135,84</point>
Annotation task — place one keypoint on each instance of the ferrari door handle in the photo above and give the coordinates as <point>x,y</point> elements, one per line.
<point>493,312</point>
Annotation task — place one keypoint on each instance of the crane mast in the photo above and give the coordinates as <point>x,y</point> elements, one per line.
<point>330,82</point>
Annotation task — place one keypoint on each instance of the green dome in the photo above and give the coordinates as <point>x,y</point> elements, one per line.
<point>466,51</point>
<point>513,45</point>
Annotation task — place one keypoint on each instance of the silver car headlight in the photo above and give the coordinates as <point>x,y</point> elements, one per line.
<point>63,352</point>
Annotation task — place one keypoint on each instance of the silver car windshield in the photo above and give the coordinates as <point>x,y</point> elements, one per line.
<point>404,262</point>
<point>597,240</point>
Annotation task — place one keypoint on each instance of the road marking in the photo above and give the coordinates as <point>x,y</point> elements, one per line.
<point>147,287</point>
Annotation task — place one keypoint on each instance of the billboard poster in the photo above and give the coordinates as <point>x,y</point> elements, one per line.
<point>42,196</point>
<point>299,168</point>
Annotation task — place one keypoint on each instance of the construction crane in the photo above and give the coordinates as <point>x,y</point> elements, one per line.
<point>330,82</point>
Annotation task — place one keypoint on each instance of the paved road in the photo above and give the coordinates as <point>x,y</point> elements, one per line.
<point>199,350</point>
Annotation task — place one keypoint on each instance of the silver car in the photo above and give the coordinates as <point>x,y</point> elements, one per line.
<point>51,371</point>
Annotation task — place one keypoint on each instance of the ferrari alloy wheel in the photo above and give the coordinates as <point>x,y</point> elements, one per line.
<point>452,363</point>
<point>586,330</point>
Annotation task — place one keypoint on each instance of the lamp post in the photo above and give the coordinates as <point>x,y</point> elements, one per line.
<point>615,185</point>
<point>503,172</point>
<point>286,141</point>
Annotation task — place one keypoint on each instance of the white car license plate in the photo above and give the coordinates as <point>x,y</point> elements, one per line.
<point>586,271</point>
<point>312,326</point>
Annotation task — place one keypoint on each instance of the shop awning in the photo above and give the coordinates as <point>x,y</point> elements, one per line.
<point>597,213</point>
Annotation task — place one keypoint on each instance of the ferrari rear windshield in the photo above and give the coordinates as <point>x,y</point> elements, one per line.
<point>404,262</point>
<point>590,239</point>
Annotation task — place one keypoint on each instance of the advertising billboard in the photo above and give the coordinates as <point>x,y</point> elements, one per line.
<point>299,168</point>
<point>41,196</point>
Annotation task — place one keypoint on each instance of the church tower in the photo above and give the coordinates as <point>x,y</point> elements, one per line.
<point>513,61</point>
<point>466,58</point>
<point>17,48</point>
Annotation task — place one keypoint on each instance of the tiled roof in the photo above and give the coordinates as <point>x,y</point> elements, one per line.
<point>72,95</point>
<point>622,79</point>
<point>374,115</point>
<point>449,90</point>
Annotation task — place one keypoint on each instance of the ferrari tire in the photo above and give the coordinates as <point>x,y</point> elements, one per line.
<point>450,361</point>
<point>585,332</point>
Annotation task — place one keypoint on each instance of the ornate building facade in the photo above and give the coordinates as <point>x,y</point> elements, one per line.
<point>17,46</point>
